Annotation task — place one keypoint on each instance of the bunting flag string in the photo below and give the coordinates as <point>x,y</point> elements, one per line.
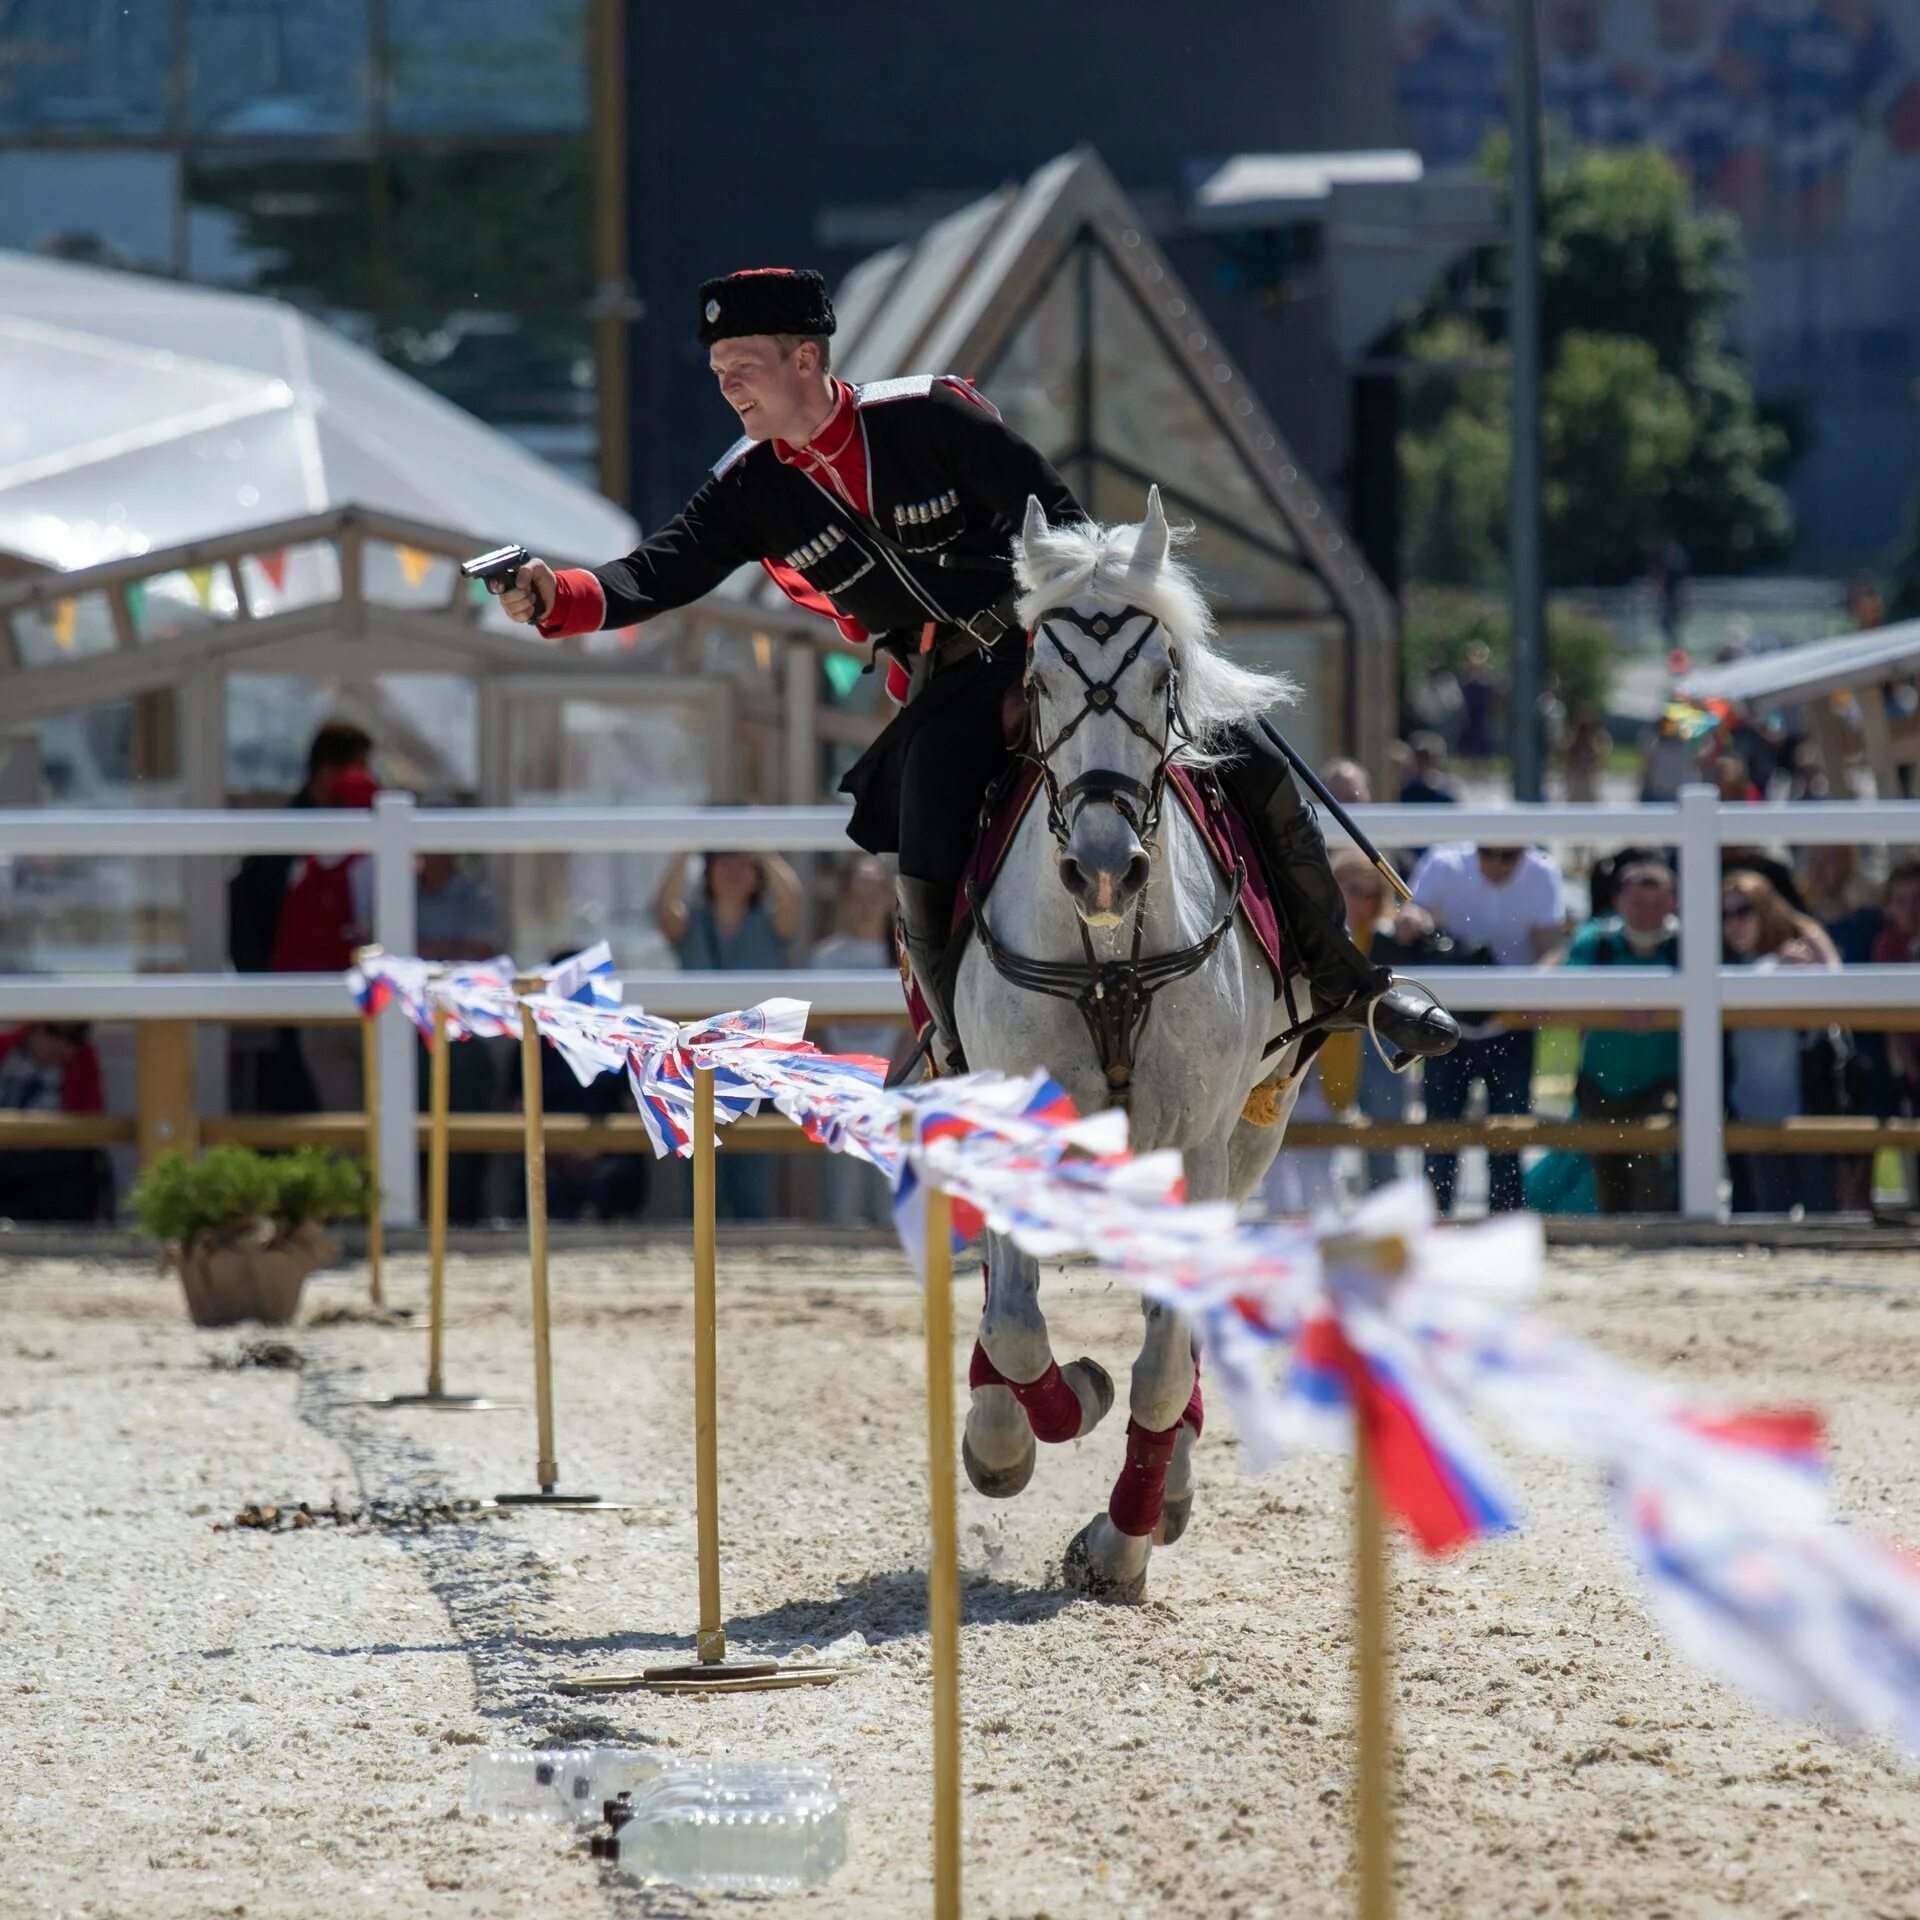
<point>1425,1334</point>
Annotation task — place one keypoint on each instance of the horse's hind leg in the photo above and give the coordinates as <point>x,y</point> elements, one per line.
<point>1020,1394</point>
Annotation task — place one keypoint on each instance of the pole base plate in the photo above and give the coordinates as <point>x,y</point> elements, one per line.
<point>443,1403</point>
<point>718,1676</point>
<point>583,1502</point>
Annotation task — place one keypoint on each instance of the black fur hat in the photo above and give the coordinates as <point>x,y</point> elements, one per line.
<point>765,300</point>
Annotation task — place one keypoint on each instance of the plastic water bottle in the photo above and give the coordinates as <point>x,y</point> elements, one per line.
<point>560,1783</point>
<point>743,1826</point>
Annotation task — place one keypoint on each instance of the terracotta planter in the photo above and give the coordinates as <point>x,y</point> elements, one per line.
<point>253,1272</point>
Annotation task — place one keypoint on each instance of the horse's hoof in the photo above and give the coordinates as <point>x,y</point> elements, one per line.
<point>1083,1577</point>
<point>1174,1516</point>
<point>998,1483</point>
<point>1098,1385</point>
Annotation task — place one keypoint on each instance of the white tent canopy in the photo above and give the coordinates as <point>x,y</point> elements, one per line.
<point>138,414</point>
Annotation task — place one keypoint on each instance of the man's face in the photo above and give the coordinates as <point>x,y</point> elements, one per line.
<point>1498,865</point>
<point>325,779</point>
<point>772,396</point>
<point>1903,906</point>
<point>1646,898</point>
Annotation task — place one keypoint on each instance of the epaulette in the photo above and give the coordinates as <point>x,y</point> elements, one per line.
<point>917,386</point>
<point>910,386</point>
<point>734,454</point>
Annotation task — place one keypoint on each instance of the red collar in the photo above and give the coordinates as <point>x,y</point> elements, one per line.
<point>831,441</point>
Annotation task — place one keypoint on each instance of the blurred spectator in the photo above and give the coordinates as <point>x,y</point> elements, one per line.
<point>1898,944</point>
<point>51,1067</point>
<point>853,1192</point>
<point>1585,756</point>
<point>1630,1073</point>
<point>1769,1068</point>
<point>603,1186</point>
<point>1436,704</point>
<point>1830,885</point>
<point>1347,781</point>
<point>1429,784</point>
<point>748,908</point>
<point>455,915</point>
<point>1508,900</point>
<point>1733,779</point>
<point>456,920</point>
<point>1898,940</point>
<point>1351,1070</point>
<point>1671,566</point>
<point>1480,700</point>
<point>255,893</point>
<point>1672,760</point>
<point>326,911</point>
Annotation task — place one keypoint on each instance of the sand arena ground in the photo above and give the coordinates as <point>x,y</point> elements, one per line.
<point>203,1722</point>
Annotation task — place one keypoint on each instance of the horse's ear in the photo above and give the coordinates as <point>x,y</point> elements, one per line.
<point>1034,526</point>
<point>1150,547</point>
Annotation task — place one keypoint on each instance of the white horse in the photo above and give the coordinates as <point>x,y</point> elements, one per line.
<point>1123,678</point>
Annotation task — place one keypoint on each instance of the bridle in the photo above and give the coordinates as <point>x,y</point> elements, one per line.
<point>1114,996</point>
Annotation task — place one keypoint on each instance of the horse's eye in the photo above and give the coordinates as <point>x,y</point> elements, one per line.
<point>1036,686</point>
<point>1162,677</point>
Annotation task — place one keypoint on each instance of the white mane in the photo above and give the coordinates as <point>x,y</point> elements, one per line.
<point>1082,561</point>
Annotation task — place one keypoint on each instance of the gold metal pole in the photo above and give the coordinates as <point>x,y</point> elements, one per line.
<point>534,1106</point>
<point>713,1672</point>
<point>439,1100</point>
<point>1374,1770</point>
<point>711,1642</point>
<point>440,1081</point>
<point>376,1225</point>
<point>943,1564</point>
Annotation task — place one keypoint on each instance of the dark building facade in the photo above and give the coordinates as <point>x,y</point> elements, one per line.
<point>776,135</point>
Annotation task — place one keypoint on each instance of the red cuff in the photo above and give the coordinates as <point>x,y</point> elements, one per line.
<point>897,682</point>
<point>579,605</point>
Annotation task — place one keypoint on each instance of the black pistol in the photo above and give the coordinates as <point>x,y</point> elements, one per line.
<point>498,569</point>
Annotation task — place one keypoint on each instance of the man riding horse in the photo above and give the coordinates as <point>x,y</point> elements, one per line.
<point>891,508</point>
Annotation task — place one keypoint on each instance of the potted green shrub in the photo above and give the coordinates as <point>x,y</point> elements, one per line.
<point>243,1229</point>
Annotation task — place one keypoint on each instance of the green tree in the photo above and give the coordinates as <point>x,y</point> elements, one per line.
<point>1650,425</point>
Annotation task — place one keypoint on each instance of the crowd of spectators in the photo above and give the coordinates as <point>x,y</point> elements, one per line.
<point>1506,905</point>
<point>1476,904</point>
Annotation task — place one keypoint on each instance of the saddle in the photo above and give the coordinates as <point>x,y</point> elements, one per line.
<point>1226,835</point>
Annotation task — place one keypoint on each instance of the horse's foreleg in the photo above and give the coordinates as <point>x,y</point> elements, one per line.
<point>1020,1393</point>
<point>1108,1558</point>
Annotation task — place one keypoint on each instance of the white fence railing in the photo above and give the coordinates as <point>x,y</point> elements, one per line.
<point>1698,826</point>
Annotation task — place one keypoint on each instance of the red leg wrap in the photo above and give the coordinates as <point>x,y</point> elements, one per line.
<point>1196,1413</point>
<point>1052,1408</point>
<point>1140,1492</point>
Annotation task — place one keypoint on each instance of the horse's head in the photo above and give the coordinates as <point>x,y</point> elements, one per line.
<point>1103,693</point>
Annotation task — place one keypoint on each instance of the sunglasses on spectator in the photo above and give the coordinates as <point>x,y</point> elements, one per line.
<point>1505,855</point>
<point>1745,910</point>
<point>1646,880</point>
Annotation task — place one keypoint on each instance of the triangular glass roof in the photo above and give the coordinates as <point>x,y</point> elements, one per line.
<point>1053,296</point>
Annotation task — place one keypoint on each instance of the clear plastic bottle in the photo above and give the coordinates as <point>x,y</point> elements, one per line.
<point>745,1826</point>
<point>559,1783</point>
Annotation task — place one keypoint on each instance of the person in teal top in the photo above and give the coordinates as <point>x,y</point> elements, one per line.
<point>1633,1072</point>
<point>749,907</point>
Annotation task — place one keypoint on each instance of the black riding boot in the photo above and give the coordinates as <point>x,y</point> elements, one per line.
<point>1314,913</point>
<point>926,931</point>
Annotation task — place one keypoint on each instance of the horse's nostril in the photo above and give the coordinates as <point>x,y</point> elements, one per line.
<point>1136,875</point>
<point>1072,875</point>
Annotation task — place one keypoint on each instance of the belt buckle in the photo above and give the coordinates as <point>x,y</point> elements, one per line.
<point>983,641</point>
